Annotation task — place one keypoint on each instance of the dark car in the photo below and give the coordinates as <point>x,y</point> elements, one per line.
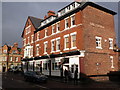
<point>35,76</point>
<point>15,69</point>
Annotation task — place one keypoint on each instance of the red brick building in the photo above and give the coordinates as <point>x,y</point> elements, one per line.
<point>79,37</point>
<point>11,56</point>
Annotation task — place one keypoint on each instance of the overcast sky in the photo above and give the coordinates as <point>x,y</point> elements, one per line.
<point>14,16</point>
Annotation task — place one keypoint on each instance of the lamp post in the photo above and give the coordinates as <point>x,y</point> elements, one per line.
<point>33,65</point>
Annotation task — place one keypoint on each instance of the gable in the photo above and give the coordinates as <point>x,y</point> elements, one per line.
<point>34,22</point>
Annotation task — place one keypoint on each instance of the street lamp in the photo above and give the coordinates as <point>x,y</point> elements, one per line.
<point>33,65</point>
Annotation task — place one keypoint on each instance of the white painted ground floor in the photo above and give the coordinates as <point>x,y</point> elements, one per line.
<point>55,66</point>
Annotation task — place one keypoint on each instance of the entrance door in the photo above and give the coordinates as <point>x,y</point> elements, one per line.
<point>73,68</point>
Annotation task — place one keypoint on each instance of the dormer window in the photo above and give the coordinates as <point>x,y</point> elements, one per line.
<point>68,8</point>
<point>5,51</point>
<point>73,5</point>
<point>14,51</point>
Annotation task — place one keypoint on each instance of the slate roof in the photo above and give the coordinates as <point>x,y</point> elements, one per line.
<point>35,21</point>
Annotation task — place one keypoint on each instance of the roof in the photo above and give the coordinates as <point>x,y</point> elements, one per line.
<point>82,6</point>
<point>35,21</point>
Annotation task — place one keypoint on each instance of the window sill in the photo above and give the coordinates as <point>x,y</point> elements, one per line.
<point>52,51</point>
<point>73,48</point>
<point>112,67</point>
<point>57,31</point>
<point>45,53</point>
<point>66,28</point>
<point>53,33</point>
<point>111,48</point>
<point>99,47</point>
<point>66,49</point>
<point>73,26</point>
<point>58,51</point>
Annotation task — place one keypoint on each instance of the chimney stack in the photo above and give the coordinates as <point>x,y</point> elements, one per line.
<point>15,44</point>
<point>51,13</point>
<point>45,16</point>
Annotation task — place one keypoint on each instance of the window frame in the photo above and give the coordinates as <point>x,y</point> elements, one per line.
<point>53,29</point>
<point>45,47</point>
<point>99,42</point>
<point>66,23</point>
<point>65,46</point>
<point>73,34</point>
<point>72,25</point>
<point>112,62</point>
<point>52,49</point>
<point>58,26</point>
<point>37,49</point>
<point>110,43</point>
<point>57,44</point>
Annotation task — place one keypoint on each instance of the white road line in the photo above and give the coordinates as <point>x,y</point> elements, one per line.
<point>41,86</point>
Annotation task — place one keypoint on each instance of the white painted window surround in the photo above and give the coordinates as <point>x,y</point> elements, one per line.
<point>66,40</point>
<point>98,42</point>
<point>110,43</point>
<point>58,44</point>
<point>45,47</point>
<point>112,61</point>
<point>52,45</point>
<point>73,39</point>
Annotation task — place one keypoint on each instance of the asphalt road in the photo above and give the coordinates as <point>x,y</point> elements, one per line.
<point>16,81</point>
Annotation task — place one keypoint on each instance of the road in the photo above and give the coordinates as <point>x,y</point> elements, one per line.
<point>16,81</point>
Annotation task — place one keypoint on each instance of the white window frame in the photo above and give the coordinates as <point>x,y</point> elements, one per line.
<point>72,34</point>
<point>27,29</point>
<point>38,35</point>
<point>46,32</point>
<point>65,36</point>
<point>11,58</point>
<point>53,26</point>
<point>57,24</point>
<point>112,62</point>
<point>16,59</point>
<point>110,43</point>
<point>66,22</point>
<point>53,40</point>
<point>45,46</point>
<point>71,20</point>
<point>57,50</point>
<point>37,51</point>
<point>100,42</point>
<point>31,51</point>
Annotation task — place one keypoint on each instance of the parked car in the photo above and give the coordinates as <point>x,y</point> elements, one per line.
<point>15,69</point>
<point>35,76</point>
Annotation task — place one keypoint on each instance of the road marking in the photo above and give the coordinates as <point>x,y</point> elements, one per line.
<point>41,86</point>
